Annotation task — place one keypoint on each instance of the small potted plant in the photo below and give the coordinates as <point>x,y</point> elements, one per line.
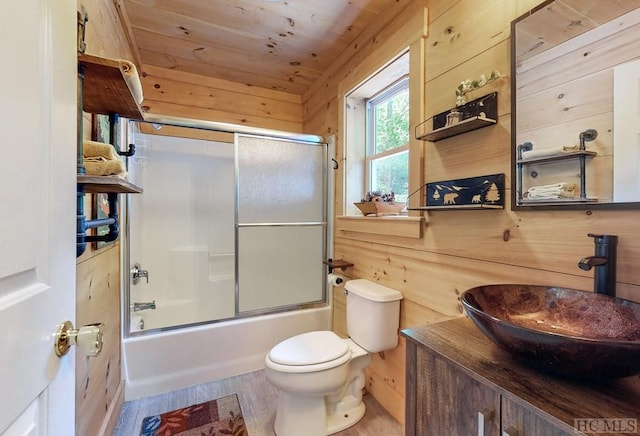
<point>466,86</point>
<point>380,203</point>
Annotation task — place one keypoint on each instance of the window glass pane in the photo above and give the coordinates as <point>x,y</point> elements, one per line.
<point>392,122</point>
<point>391,173</point>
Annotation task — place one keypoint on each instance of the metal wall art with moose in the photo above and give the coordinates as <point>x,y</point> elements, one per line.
<point>482,192</point>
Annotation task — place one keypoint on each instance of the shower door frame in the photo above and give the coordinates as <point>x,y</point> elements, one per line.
<point>296,306</point>
<point>236,130</point>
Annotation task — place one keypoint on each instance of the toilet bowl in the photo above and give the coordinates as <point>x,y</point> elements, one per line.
<point>317,398</point>
<point>320,376</point>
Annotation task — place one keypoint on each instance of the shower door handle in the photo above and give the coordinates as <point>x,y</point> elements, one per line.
<point>137,274</point>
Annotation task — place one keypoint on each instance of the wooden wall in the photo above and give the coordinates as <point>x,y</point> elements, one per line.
<point>462,248</point>
<point>180,94</point>
<point>99,380</point>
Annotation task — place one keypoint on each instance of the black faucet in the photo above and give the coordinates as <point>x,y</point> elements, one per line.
<point>604,260</point>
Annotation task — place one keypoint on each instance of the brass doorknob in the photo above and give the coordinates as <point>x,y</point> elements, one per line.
<point>87,338</point>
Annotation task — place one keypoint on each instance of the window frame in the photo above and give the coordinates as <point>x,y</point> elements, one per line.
<point>398,86</point>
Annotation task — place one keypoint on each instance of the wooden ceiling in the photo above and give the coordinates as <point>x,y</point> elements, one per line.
<point>284,45</point>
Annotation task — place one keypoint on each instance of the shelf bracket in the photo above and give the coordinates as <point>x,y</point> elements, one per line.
<point>130,152</point>
<point>83,224</point>
<point>82,27</point>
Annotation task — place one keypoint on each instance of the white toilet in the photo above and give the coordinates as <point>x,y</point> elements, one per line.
<point>320,376</point>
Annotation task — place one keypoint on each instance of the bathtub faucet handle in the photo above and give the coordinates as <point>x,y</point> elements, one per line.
<point>137,273</point>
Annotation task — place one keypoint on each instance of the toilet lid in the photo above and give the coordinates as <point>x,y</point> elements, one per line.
<point>309,349</point>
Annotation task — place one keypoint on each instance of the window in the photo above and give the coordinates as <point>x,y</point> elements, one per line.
<point>387,140</point>
<point>376,117</point>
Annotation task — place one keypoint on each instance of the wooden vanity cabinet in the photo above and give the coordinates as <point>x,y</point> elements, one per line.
<point>520,420</point>
<point>459,383</point>
<point>450,402</point>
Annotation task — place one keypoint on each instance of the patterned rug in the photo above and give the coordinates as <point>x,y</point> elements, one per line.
<point>217,417</point>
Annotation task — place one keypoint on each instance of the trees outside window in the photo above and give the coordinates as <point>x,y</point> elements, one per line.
<point>388,140</point>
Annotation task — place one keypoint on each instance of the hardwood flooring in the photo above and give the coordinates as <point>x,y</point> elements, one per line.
<point>258,400</point>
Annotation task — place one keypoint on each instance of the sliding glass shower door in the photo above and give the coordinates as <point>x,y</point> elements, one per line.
<point>224,229</point>
<point>281,223</point>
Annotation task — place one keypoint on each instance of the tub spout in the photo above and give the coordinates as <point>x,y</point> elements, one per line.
<point>137,307</point>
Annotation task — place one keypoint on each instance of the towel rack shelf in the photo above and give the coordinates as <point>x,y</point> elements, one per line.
<point>105,89</point>
<point>521,162</point>
<point>564,156</point>
<point>102,89</point>
<point>106,184</point>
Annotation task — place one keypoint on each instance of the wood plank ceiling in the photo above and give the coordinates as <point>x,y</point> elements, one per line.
<point>284,45</point>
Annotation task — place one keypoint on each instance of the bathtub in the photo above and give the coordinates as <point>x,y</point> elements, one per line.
<point>165,361</point>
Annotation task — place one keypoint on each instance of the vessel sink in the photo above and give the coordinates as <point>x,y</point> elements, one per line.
<point>565,332</point>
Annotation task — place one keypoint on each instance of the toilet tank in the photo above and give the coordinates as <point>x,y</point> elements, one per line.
<point>373,315</point>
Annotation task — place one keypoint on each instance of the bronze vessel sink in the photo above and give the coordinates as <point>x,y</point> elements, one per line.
<point>564,332</point>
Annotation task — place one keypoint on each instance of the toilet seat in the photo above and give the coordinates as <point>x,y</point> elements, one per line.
<point>309,352</point>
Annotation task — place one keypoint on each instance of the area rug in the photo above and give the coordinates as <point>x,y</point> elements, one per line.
<point>216,417</point>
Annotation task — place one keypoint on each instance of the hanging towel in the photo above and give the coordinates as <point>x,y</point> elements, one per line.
<point>133,79</point>
<point>549,152</point>
<point>99,149</point>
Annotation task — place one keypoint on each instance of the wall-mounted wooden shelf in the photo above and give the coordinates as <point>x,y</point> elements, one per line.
<point>481,112</point>
<point>462,127</point>
<point>459,207</point>
<point>100,184</point>
<point>479,192</point>
<point>337,263</point>
<point>105,89</point>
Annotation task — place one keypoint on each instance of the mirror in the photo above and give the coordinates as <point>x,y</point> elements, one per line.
<point>576,105</point>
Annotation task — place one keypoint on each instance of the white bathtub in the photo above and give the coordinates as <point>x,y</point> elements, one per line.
<point>166,361</point>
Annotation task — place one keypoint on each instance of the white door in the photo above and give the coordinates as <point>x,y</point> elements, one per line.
<point>37,214</point>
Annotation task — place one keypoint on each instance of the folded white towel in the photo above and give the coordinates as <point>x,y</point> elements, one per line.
<point>133,79</point>
<point>553,186</point>
<point>552,191</point>
<point>550,195</point>
<point>549,152</point>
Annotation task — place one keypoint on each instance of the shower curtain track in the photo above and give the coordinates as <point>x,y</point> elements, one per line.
<point>230,128</point>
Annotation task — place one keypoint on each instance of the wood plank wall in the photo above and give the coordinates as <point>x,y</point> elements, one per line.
<point>99,380</point>
<point>461,249</point>
<point>176,93</point>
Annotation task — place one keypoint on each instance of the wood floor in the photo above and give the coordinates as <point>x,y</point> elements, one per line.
<point>258,400</point>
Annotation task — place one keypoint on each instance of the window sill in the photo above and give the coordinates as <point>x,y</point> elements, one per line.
<point>403,226</point>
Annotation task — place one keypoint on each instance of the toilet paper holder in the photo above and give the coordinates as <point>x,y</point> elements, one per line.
<point>338,263</point>
<point>335,279</point>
